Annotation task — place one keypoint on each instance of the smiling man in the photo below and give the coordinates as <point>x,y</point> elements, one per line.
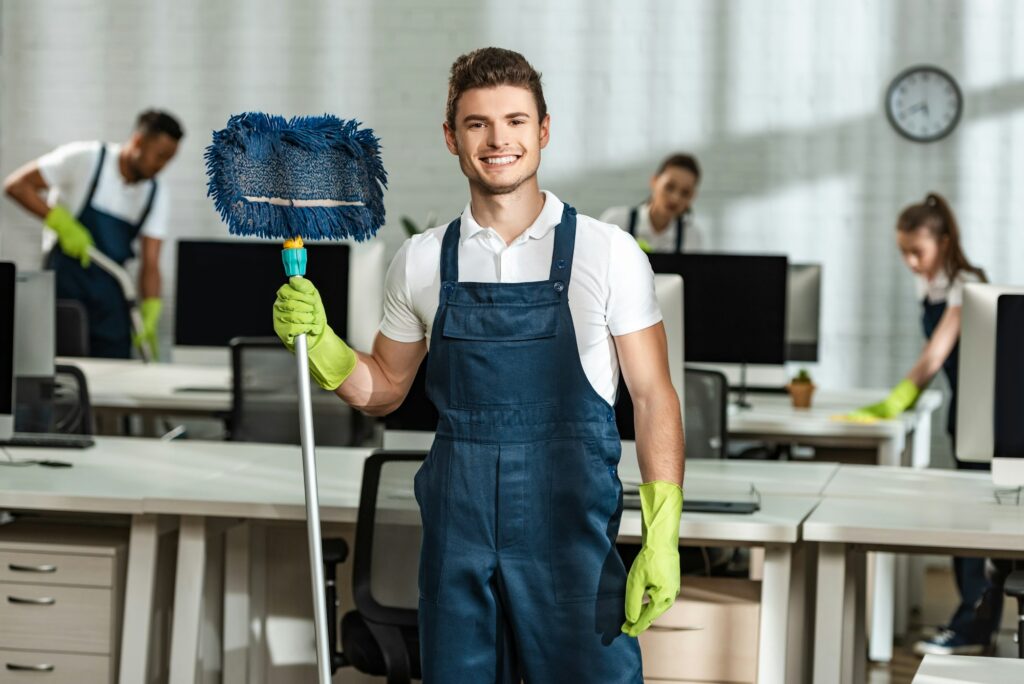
<point>529,311</point>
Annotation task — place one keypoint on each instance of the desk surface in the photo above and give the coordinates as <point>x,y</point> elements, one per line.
<point>889,482</point>
<point>264,481</point>
<point>937,669</point>
<point>918,522</point>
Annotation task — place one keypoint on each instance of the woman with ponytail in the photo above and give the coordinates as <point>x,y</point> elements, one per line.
<point>928,237</point>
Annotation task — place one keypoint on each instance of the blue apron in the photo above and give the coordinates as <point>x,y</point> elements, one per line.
<point>520,495</point>
<point>931,314</point>
<point>680,227</point>
<point>97,290</point>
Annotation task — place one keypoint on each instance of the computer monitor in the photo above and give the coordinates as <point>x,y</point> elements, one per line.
<point>7,288</point>
<point>35,325</point>
<point>412,425</point>
<point>735,306</point>
<point>225,289</point>
<point>991,381</point>
<point>803,311</point>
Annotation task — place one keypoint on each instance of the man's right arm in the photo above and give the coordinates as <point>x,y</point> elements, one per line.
<point>26,186</point>
<point>380,380</point>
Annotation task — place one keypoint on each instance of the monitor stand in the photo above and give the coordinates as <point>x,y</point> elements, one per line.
<point>741,400</point>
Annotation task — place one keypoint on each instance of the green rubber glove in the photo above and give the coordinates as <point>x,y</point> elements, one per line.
<point>74,238</point>
<point>299,310</point>
<point>645,245</point>
<point>150,310</point>
<point>899,400</point>
<point>656,570</point>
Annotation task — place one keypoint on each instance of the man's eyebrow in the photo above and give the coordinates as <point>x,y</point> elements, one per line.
<point>481,117</point>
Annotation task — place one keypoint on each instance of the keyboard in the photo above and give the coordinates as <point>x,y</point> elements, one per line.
<point>48,440</point>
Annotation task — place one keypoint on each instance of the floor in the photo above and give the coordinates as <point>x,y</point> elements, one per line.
<point>940,600</point>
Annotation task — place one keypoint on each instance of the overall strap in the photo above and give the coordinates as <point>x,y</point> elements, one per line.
<point>632,222</point>
<point>565,245</point>
<point>149,206</point>
<point>680,227</point>
<point>96,176</point>
<point>450,252</point>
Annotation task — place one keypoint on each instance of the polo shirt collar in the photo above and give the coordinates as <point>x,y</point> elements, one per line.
<point>549,217</point>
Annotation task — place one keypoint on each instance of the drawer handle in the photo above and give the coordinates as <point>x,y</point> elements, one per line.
<point>14,667</point>
<point>45,601</point>
<point>14,567</point>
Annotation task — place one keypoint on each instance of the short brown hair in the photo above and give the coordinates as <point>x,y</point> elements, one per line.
<point>686,162</point>
<point>488,68</point>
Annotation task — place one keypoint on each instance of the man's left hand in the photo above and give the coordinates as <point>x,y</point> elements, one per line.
<point>656,569</point>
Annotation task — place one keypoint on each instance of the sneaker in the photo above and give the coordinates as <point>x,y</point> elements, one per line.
<point>948,642</point>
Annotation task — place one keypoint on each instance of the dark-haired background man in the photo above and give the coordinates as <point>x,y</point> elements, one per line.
<point>103,194</point>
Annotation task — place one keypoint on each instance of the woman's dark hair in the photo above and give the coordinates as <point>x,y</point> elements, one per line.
<point>935,215</point>
<point>687,162</point>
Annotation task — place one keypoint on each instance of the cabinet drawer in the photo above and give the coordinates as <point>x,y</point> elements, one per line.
<point>56,568</point>
<point>53,668</point>
<point>70,619</point>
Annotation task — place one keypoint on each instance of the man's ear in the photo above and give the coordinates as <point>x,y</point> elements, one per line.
<point>545,131</point>
<point>449,139</point>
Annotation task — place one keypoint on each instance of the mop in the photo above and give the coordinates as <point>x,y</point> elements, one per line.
<point>311,177</point>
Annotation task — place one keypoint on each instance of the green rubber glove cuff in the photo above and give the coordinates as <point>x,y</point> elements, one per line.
<point>655,571</point>
<point>150,310</point>
<point>331,361</point>
<point>902,397</point>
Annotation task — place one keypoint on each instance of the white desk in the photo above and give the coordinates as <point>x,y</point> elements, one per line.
<point>936,669</point>
<point>845,528</point>
<point>773,418</point>
<point>193,481</point>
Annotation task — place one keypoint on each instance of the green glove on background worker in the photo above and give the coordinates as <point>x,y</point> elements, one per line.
<point>150,310</point>
<point>299,310</point>
<point>74,239</point>
<point>656,569</point>
<point>902,397</point>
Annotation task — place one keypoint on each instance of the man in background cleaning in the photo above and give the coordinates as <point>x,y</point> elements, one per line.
<point>105,195</point>
<point>530,311</point>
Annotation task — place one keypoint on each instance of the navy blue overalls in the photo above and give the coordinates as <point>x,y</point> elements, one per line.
<point>680,227</point>
<point>520,494</point>
<point>97,290</point>
<point>971,581</point>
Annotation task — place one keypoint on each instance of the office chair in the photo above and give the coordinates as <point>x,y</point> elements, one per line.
<point>72,409</point>
<point>72,328</point>
<point>264,398</point>
<point>1014,587</point>
<point>381,637</point>
<point>705,405</point>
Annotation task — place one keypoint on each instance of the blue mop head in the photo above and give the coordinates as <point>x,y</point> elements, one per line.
<point>311,177</point>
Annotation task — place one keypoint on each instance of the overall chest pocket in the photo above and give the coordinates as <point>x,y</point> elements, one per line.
<point>503,355</point>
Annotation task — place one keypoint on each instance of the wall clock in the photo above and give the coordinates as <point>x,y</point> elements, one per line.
<point>924,103</point>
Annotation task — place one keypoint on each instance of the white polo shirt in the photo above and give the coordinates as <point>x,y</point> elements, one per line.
<point>665,241</point>
<point>942,289</point>
<point>611,290</point>
<point>69,171</point>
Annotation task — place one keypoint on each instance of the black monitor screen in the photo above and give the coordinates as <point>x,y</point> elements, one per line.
<point>734,308</point>
<point>226,289</point>
<point>7,275</point>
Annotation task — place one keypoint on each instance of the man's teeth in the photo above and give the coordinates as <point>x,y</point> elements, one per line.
<point>498,161</point>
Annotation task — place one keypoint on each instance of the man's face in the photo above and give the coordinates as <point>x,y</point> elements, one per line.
<point>150,153</point>
<point>498,137</point>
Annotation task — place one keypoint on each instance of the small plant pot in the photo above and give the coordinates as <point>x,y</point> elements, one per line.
<point>800,393</point>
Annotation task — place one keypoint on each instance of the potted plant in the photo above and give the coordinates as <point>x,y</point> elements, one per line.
<point>800,389</point>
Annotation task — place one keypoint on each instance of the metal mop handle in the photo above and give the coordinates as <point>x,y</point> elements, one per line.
<point>323,658</point>
<point>294,257</point>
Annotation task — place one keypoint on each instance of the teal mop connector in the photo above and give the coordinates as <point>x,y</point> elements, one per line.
<point>294,259</point>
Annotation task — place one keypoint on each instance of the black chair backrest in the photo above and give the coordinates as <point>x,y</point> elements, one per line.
<point>705,413</point>
<point>72,409</point>
<point>388,535</point>
<point>72,328</point>
<point>264,398</point>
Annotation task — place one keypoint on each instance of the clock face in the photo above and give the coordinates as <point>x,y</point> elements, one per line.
<point>924,103</point>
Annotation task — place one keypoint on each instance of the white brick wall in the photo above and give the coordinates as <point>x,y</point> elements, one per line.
<point>782,102</point>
